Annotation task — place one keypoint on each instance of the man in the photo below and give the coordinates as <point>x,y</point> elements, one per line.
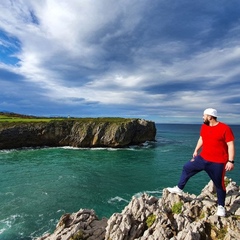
<point>216,142</point>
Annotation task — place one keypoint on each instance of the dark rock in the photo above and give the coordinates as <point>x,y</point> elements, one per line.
<point>77,133</point>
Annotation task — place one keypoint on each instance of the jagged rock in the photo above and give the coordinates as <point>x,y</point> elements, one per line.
<point>81,225</point>
<point>172,217</point>
<point>77,133</point>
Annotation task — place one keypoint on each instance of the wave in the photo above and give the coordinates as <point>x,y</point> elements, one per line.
<point>88,148</point>
<point>130,148</point>
<point>7,151</point>
<point>117,199</point>
<point>147,144</point>
<point>7,223</point>
<point>156,193</point>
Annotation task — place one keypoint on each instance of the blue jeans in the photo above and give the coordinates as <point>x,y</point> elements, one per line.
<point>216,171</point>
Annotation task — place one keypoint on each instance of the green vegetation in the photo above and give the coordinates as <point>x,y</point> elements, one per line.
<point>78,236</point>
<point>202,215</point>
<point>221,233</point>
<point>18,118</point>
<point>226,181</point>
<point>102,120</point>
<point>177,207</point>
<point>150,220</point>
<point>13,117</point>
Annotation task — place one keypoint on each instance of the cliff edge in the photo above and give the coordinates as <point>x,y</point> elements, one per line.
<point>172,217</point>
<point>77,133</point>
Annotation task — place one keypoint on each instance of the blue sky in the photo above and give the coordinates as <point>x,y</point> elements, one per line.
<point>164,61</point>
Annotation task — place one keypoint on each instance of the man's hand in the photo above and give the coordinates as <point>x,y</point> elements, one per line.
<point>229,166</point>
<point>195,154</point>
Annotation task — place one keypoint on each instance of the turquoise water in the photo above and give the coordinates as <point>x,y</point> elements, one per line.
<point>37,186</point>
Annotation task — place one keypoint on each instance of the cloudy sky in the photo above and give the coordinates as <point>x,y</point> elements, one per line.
<point>162,60</point>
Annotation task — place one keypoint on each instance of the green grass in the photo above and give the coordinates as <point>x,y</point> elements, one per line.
<point>221,233</point>
<point>10,120</point>
<point>177,207</point>
<point>17,118</point>
<point>150,220</point>
<point>78,236</point>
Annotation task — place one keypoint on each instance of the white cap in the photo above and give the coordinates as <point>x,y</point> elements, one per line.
<point>211,112</point>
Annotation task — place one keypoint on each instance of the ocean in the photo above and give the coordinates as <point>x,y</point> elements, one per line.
<point>37,186</point>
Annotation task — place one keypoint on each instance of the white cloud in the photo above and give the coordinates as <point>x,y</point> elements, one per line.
<point>87,50</point>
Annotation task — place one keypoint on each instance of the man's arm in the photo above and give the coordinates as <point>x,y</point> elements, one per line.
<point>198,146</point>
<point>231,155</point>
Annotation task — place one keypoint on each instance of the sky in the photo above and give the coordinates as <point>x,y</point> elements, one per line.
<point>161,60</point>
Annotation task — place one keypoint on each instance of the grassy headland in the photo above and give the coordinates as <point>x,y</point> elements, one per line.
<point>6,118</point>
<point>17,131</point>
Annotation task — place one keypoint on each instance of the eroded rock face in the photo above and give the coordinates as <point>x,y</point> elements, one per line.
<point>173,217</point>
<point>77,133</point>
<point>81,225</point>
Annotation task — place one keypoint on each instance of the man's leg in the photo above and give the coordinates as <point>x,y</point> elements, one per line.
<point>191,168</point>
<point>216,172</point>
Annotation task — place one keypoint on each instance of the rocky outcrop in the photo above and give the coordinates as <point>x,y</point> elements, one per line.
<point>81,225</point>
<point>77,133</point>
<point>173,217</point>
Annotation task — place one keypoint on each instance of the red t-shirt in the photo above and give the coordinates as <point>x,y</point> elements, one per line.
<point>215,138</point>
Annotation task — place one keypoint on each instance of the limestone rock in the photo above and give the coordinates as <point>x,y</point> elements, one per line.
<point>81,225</point>
<point>78,133</point>
<point>172,217</point>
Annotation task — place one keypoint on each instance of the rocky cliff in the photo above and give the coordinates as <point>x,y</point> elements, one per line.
<point>173,217</point>
<point>77,133</point>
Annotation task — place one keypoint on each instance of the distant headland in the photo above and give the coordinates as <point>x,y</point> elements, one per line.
<point>19,131</point>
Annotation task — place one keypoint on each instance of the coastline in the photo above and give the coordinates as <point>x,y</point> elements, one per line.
<point>43,184</point>
<point>77,133</point>
<point>184,217</point>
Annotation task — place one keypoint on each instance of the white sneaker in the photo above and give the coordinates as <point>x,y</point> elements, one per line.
<point>221,211</point>
<point>176,190</point>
